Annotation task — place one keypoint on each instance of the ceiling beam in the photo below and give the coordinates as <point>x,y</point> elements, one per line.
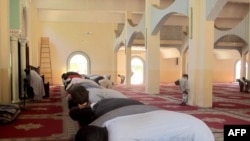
<point>230,44</point>
<point>215,11</point>
<point>240,1</point>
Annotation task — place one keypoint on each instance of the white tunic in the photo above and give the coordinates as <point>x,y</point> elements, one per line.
<point>36,82</point>
<point>160,125</point>
<point>97,94</point>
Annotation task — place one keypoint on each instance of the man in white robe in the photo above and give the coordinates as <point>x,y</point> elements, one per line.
<point>36,82</point>
<point>156,125</point>
<point>184,88</point>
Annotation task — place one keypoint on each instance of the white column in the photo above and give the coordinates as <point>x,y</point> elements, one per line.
<point>201,44</point>
<point>14,69</point>
<point>247,70</point>
<point>183,62</point>
<point>23,64</point>
<point>128,67</point>
<point>114,77</point>
<point>248,57</point>
<point>128,56</point>
<point>243,66</point>
<point>152,63</point>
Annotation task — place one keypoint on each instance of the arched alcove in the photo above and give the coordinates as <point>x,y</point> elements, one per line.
<point>78,62</point>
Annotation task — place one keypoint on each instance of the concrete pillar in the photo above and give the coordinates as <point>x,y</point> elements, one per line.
<point>248,54</point>
<point>23,64</point>
<point>201,44</point>
<point>152,44</point>
<point>128,56</point>
<point>184,63</point>
<point>243,66</point>
<point>128,67</point>
<point>114,77</point>
<point>14,68</point>
<point>247,70</point>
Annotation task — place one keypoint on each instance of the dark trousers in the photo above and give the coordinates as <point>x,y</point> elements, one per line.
<point>241,86</point>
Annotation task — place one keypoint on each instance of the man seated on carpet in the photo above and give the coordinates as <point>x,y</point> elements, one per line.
<point>86,113</point>
<point>144,122</point>
<point>36,82</point>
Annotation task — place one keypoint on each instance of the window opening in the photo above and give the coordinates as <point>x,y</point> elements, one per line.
<point>78,62</point>
<point>137,68</point>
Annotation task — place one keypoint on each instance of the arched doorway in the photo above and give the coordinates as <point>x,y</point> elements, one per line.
<point>238,70</point>
<point>137,68</point>
<point>78,62</point>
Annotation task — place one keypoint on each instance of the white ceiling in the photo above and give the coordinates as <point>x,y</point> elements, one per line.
<point>113,11</point>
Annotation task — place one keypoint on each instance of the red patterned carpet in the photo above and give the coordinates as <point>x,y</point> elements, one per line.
<point>24,128</point>
<point>229,105</point>
<point>49,120</point>
<point>39,121</point>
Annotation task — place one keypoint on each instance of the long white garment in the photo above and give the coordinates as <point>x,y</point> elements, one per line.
<point>97,94</point>
<point>184,84</point>
<point>184,87</point>
<point>106,83</point>
<point>87,83</point>
<point>36,82</point>
<point>160,125</point>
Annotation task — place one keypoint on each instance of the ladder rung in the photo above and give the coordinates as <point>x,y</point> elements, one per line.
<point>46,72</point>
<point>43,72</point>
<point>45,61</point>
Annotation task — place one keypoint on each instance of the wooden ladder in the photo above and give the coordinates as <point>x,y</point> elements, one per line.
<point>45,60</point>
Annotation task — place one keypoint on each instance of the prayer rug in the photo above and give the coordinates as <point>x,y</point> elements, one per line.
<point>42,109</point>
<point>44,120</point>
<point>216,121</point>
<point>230,105</point>
<point>23,128</point>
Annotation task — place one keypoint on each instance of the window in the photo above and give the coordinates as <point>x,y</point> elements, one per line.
<point>238,69</point>
<point>78,62</point>
<point>137,68</point>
